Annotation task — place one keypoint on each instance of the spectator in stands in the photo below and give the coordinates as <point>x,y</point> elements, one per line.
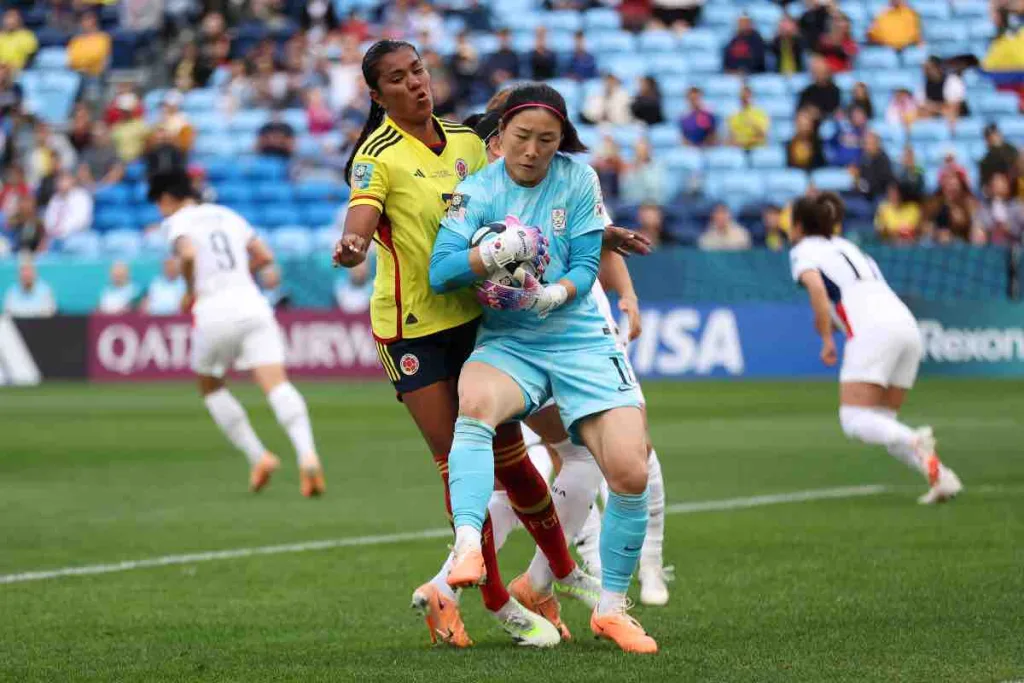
<point>356,27</point>
<point>838,46</point>
<point>1000,155</point>
<point>30,297</point>
<point>651,224</point>
<point>80,131</point>
<point>635,14</point>
<point>748,127</point>
<point>441,86</point>
<point>897,27</point>
<point>163,154</point>
<point>745,53</point>
<point>844,149</point>
<point>788,47</point>
<point>643,181</point>
<point>503,65</point>
<point>909,175</point>
<point>273,290</point>
<point>17,43</point>
<point>678,15</point>
<point>141,15</point>
<point>237,91</point>
<point>775,238</point>
<point>318,19</point>
<point>898,218</point>
<point>192,70</point>
<point>11,93</point>
<point>50,147</point>
<point>276,138</point>
<point>822,95</point>
<point>476,16</point>
<point>804,150</point>
<point>24,226</point>
<point>174,122</point>
<point>943,94</point>
<point>543,62</point>
<point>861,97</point>
<point>120,296</point>
<point>608,105</point>
<point>89,51</point>
<point>69,210</point>
<point>118,109</point>
<point>465,66</point>
<point>46,187</point>
<point>428,23</point>
<point>608,163</point>
<point>814,22</point>
<point>100,161</point>
<point>582,65</point>
<point>952,213</point>
<point>723,233</point>
<point>15,189</point>
<point>873,173</point>
<point>352,291</point>
<point>952,167</point>
<point>1001,215</point>
<point>319,118</point>
<point>699,124</point>
<point>902,109</point>
<point>646,105</point>
<point>129,130</point>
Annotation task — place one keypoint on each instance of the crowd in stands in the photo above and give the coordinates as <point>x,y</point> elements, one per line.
<point>705,118</point>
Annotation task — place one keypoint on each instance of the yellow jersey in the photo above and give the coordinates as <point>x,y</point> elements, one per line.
<point>411,185</point>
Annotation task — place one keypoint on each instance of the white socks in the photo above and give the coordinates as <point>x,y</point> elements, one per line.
<point>879,427</point>
<point>611,602</point>
<point>541,459</point>
<point>467,536</point>
<point>503,518</point>
<point>230,416</point>
<point>290,410</point>
<point>651,555</point>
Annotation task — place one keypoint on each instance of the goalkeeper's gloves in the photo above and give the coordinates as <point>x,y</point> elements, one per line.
<point>517,244</point>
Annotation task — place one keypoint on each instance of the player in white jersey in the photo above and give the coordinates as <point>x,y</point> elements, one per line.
<point>234,326</point>
<point>883,348</point>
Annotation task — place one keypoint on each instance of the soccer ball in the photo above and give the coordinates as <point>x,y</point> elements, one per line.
<point>505,276</point>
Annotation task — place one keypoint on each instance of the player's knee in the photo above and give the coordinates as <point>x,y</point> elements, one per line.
<point>479,405</point>
<point>851,419</point>
<point>629,474</point>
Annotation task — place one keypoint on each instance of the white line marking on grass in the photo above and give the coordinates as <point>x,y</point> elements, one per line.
<point>388,539</point>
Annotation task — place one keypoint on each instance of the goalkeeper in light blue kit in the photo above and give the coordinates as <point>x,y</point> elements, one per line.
<point>546,338</point>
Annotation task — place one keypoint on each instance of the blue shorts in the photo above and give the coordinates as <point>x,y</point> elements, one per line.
<point>582,382</point>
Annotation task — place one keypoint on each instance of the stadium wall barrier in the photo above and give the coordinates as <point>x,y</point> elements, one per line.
<point>319,344</point>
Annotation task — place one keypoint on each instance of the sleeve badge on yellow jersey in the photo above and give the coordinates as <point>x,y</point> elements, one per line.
<point>362,174</point>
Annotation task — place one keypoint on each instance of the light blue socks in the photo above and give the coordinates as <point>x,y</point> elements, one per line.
<point>471,472</point>
<point>623,529</point>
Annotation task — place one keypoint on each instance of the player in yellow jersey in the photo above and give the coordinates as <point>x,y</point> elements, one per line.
<point>405,168</point>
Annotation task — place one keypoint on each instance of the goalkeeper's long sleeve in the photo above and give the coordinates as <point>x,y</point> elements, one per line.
<point>449,264</point>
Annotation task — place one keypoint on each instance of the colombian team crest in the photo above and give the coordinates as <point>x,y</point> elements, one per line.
<point>461,169</point>
<point>558,221</point>
<point>410,364</point>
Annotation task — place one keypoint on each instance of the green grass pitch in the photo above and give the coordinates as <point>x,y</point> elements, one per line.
<point>872,588</point>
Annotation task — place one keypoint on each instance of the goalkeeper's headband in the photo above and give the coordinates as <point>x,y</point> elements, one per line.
<point>527,105</point>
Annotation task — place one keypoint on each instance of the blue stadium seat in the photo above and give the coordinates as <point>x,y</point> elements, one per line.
<point>277,215</point>
<point>292,241</point>
<point>935,153</point>
<point>563,20</point>
<point>978,9</point>
<point>107,218</point>
<point>890,133</point>
<point>209,123</point>
<point>250,212</point>
<point>269,193</point>
<point>218,169</point>
<point>996,104</point>
<point>214,146</point>
<point>880,82</point>
<point>705,63</point>
<point>625,66</point>
<point>81,244</point>
<point>914,56</point>
<point>626,136</point>
<point>797,82</point>
<point>248,121</point>
<point>600,19</point>
<point>969,129</point>
<point>724,158</point>
<point>742,189</point>
<point>234,193</point>
<point>324,239</point>
<point>776,107</point>
<point>147,215</point>
<point>932,10</point>
<point>663,135</point>
<point>719,15</point>
<point>50,37</point>
<point>764,14</point>
<point>319,213</point>
<point>51,58</point>
<point>113,195</point>
<point>658,41</point>
<point>266,168</point>
<point>683,160</point>
<point>945,32</point>
<point>154,243</point>
<point>612,42</point>
<point>1012,128</point>
<point>929,130</point>
<point>122,243</point>
<point>319,191</point>
<point>784,184</point>
<point>981,29</point>
<point>139,192</point>
<point>772,157</point>
<point>768,86</point>
<point>700,40</point>
<point>781,131</point>
<point>833,179</point>
<point>200,100</point>
<point>878,58</point>
<point>723,86</point>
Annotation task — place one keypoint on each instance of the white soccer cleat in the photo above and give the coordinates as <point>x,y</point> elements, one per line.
<point>527,628</point>
<point>654,585</point>
<point>588,543</point>
<point>946,487</point>
<point>581,586</point>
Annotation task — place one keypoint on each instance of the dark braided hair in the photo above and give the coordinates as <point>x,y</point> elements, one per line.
<point>543,96</point>
<point>371,74</point>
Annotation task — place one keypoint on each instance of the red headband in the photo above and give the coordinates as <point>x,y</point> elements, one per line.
<point>516,108</point>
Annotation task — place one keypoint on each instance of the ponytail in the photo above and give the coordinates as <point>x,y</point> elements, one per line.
<point>373,121</point>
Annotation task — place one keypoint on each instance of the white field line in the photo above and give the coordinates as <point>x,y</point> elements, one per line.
<point>388,539</point>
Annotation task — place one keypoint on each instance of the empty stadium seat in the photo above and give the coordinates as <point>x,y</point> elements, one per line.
<point>292,241</point>
<point>113,195</point>
<point>274,192</point>
<point>772,157</point>
<point>699,40</point>
<point>683,160</point>
<point>277,215</point>
<point>832,179</point>
<point>1012,128</point>
<point>724,158</point>
<point>325,238</point>
<point>995,103</point>
<point>663,135</point>
<point>81,244</point>
<point>51,58</point>
<point>784,184</point>
<point>319,213</point>
<point>878,58</point>
<point>768,86</point>
<point>265,168</point>
<point>601,18</point>
<point>658,41</point>
<point>123,243</point>
<point>234,193</point>
<point>930,130</point>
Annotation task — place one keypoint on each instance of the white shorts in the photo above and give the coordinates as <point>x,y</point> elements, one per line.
<point>240,344</point>
<point>887,356</point>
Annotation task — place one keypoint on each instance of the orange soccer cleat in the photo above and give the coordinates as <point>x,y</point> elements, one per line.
<point>467,568</point>
<point>259,475</point>
<point>442,615</point>
<point>545,605</point>
<point>624,631</point>
<point>311,482</point>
